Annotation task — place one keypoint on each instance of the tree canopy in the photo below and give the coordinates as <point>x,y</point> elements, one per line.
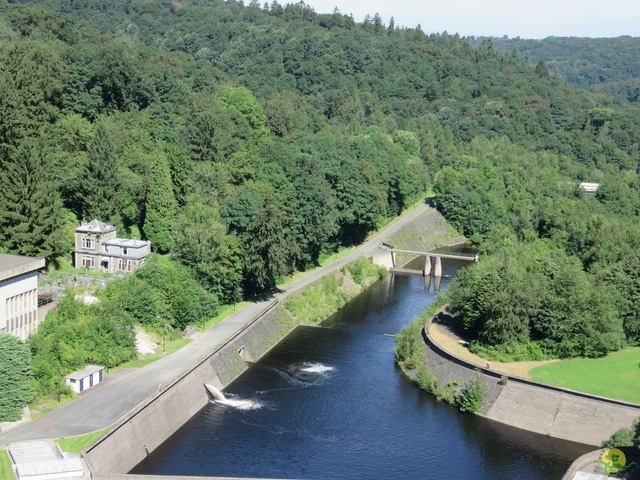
<point>247,142</point>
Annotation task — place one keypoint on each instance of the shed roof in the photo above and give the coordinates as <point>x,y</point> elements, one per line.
<point>85,372</point>
<point>14,265</point>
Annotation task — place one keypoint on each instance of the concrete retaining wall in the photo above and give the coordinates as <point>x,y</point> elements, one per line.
<point>151,423</point>
<point>425,233</point>
<point>549,410</point>
<point>155,420</point>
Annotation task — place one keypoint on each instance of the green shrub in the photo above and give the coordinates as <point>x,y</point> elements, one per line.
<point>330,284</point>
<point>425,379</point>
<point>473,394</point>
<point>409,342</point>
<point>446,392</point>
<point>364,269</point>
<point>621,438</point>
<point>510,352</point>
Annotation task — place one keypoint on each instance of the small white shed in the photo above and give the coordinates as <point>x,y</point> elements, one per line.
<point>84,379</point>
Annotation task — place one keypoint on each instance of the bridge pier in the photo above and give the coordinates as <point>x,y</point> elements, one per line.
<point>426,271</point>
<point>432,263</point>
<point>437,269</point>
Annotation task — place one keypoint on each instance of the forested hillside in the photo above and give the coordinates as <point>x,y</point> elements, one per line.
<point>246,141</point>
<point>609,65</point>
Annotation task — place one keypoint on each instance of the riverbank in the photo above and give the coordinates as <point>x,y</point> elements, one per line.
<point>152,422</point>
<point>529,405</point>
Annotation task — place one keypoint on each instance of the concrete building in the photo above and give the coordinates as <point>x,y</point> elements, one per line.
<point>83,379</point>
<point>19,294</point>
<point>98,248</point>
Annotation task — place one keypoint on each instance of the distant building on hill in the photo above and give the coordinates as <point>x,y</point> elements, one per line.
<point>589,187</point>
<point>19,294</point>
<point>98,248</point>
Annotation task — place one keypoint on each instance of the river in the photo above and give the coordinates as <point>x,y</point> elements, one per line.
<point>330,403</point>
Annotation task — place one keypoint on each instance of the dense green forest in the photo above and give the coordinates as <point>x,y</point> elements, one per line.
<point>246,141</point>
<point>609,65</point>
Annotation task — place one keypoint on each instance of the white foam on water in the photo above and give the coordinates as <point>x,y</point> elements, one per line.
<point>317,368</point>
<point>219,397</point>
<point>241,404</point>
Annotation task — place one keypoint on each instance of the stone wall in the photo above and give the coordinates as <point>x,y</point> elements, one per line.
<point>537,407</point>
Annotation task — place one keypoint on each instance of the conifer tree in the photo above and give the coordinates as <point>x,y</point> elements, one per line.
<point>271,250</point>
<point>101,178</point>
<point>16,390</point>
<point>30,205</point>
<point>160,207</point>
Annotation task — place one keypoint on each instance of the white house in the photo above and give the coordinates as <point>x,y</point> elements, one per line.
<point>98,248</point>
<point>19,294</point>
<point>83,379</point>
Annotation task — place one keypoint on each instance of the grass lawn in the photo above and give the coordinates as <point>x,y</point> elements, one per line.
<point>615,376</point>
<point>79,443</point>
<point>6,472</point>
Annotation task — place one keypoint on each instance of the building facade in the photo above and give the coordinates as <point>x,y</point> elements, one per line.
<point>97,247</point>
<point>83,379</point>
<point>19,294</point>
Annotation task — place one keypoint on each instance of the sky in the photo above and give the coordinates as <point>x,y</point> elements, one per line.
<point>514,18</point>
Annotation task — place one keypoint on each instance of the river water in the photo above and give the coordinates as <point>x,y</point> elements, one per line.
<point>330,403</point>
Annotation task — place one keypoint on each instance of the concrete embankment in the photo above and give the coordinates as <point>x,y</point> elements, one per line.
<point>536,407</point>
<point>425,233</point>
<point>149,424</point>
<point>152,422</point>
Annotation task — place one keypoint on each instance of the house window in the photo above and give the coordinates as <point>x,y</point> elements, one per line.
<point>88,243</point>
<point>106,248</point>
<point>124,265</point>
<point>88,261</point>
<point>124,251</point>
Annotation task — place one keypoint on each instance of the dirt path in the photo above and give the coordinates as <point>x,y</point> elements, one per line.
<point>448,341</point>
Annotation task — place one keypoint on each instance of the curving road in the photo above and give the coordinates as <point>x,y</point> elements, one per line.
<point>122,391</point>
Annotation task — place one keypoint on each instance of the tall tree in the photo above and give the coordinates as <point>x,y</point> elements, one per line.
<point>160,207</point>
<point>271,250</point>
<point>15,377</point>
<point>30,205</point>
<point>102,180</point>
<point>203,245</point>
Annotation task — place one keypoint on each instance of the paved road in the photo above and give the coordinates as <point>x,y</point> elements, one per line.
<point>121,392</point>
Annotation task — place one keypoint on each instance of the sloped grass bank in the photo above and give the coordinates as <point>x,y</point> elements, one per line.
<point>615,376</point>
<point>411,355</point>
<point>324,297</point>
<point>6,472</point>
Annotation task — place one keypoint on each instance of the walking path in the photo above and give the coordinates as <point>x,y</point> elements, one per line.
<point>104,404</point>
<point>522,403</point>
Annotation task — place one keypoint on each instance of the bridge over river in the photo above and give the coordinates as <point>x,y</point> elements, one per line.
<point>432,264</point>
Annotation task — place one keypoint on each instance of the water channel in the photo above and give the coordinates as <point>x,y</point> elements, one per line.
<point>329,403</point>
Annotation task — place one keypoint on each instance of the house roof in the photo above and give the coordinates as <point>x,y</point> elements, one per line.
<point>84,373</point>
<point>95,226</point>
<point>126,242</point>
<point>14,265</point>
